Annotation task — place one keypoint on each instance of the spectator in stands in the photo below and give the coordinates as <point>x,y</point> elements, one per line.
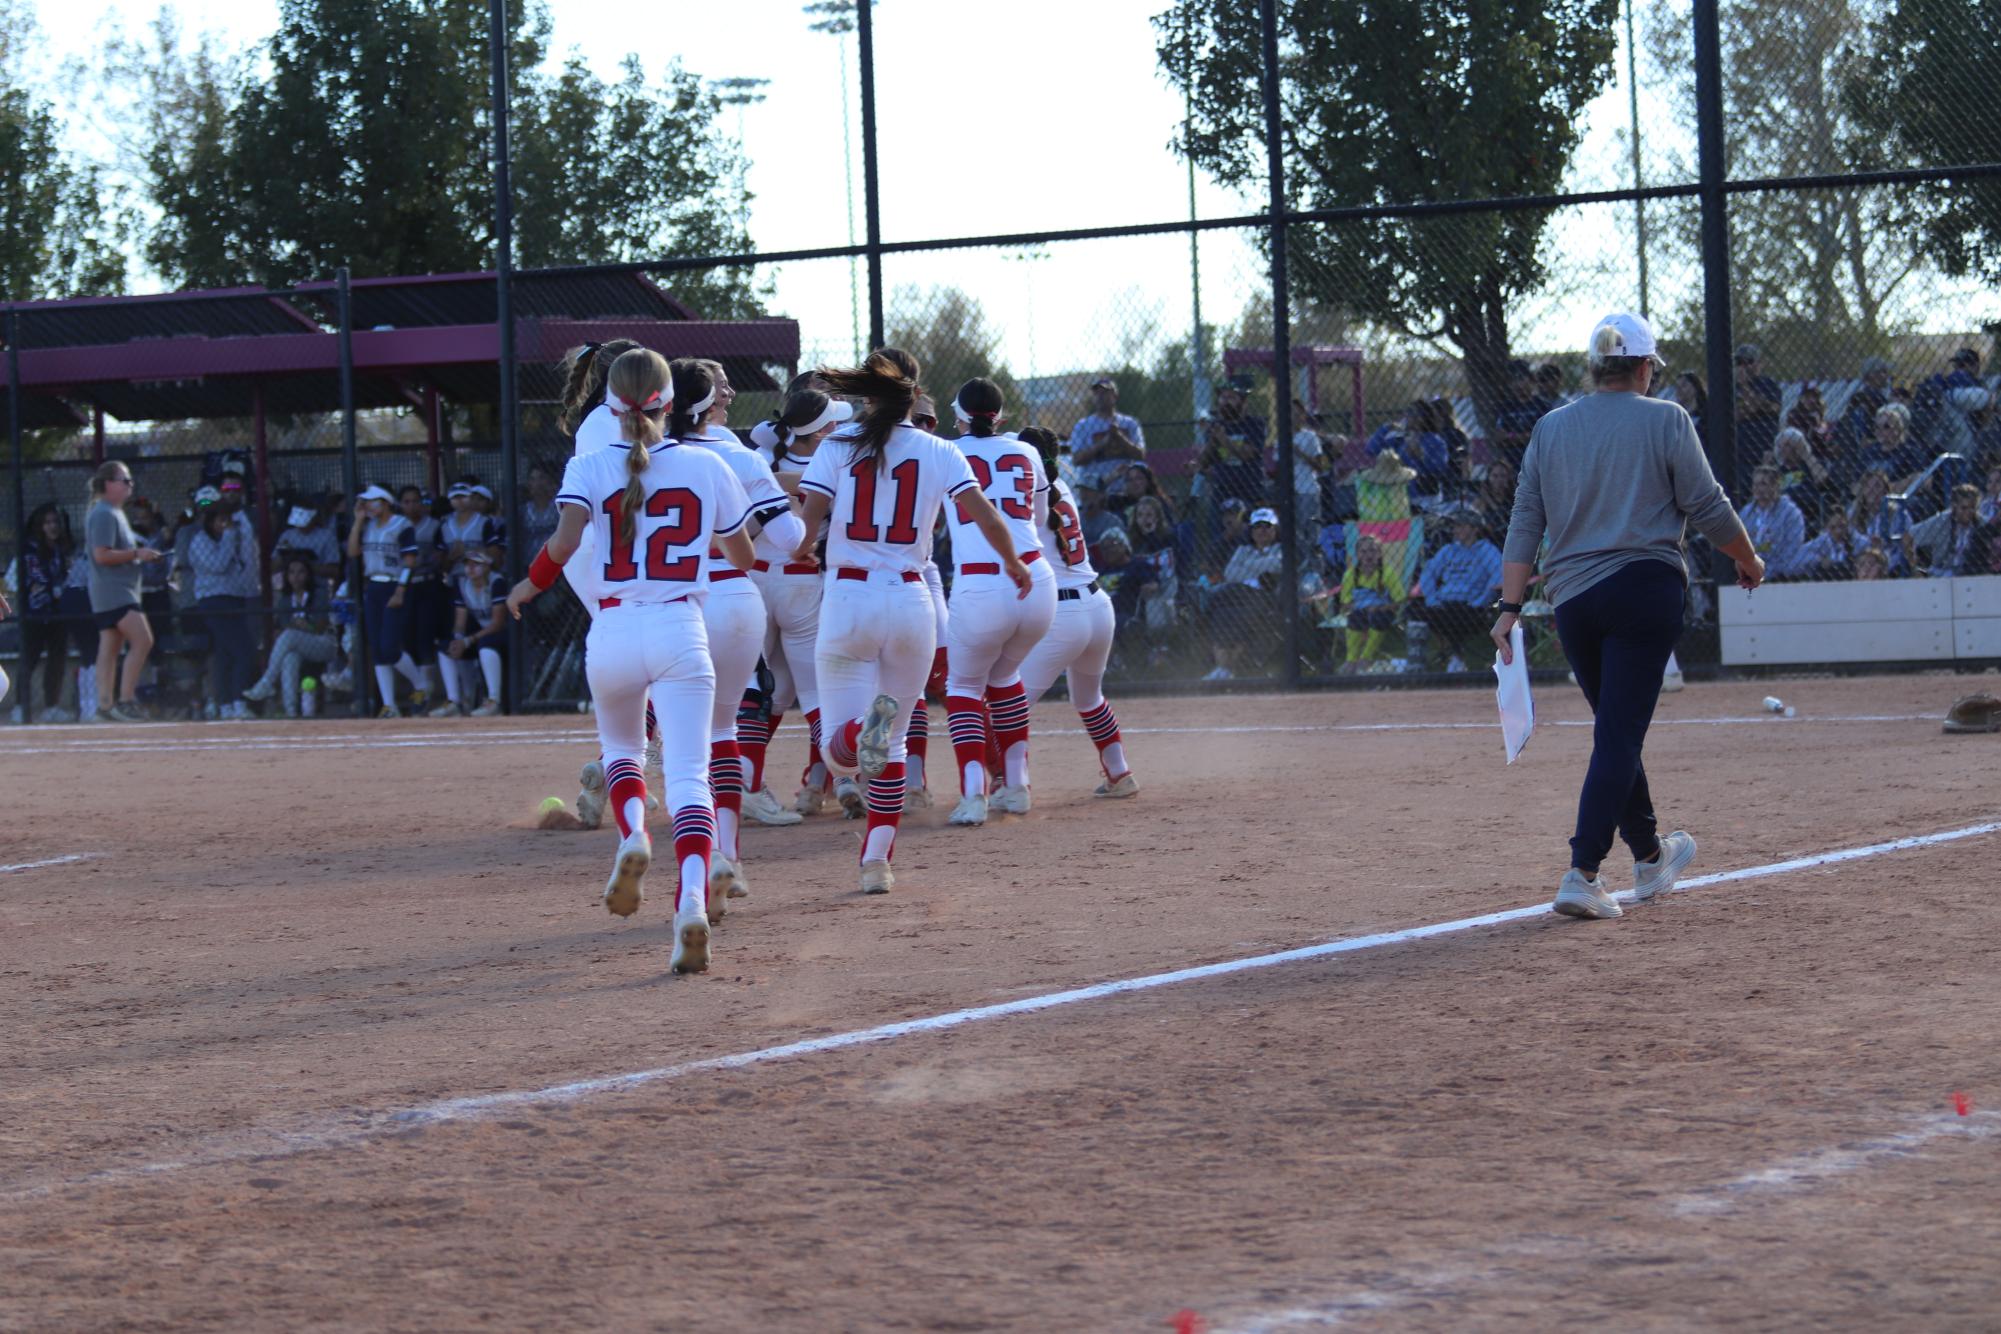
<point>1518,416</point>
<point>1832,554</point>
<point>1371,593</point>
<point>538,508</point>
<point>488,505</point>
<point>1152,531</point>
<point>1458,446</point>
<point>1893,450</point>
<point>1881,524</point>
<point>115,579</point>
<point>308,530</point>
<point>1092,516</point>
<point>44,570</point>
<point>1382,490</point>
<point>218,554</point>
<point>1243,611</point>
<point>1233,449</point>
<point>1871,563</point>
<point>1494,502</point>
<point>1962,397</point>
<point>1801,476</point>
<point>1313,452</point>
<point>1549,385</point>
<point>1137,482</point>
<point>1417,442</point>
<point>1776,527</point>
<point>479,632</point>
<point>305,632</point>
<point>1758,400</point>
<point>156,580</point>
<point>1946,542</point>
<point>1231,532</point>
<point>1808,416</point>
<point>1455,594</point>
<point>1990,499</point>
<point>1693,395</point>
<point>1858,416</point>
<point>1107,438</point>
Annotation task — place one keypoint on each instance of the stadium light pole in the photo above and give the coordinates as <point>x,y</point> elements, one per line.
<point>871,192</point>
<point>839,19</point>
<point>740,92</point>
<point>1721,418</point>
<point>1639,181</point>
<point>503,273</point>
<point>1281,346</point>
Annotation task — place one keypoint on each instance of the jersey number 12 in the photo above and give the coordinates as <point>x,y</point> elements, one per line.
<point>686,507</point>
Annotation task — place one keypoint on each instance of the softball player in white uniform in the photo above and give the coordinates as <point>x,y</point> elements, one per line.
<point>658,509</point>
<point>1079,641</point>
<point>991,631</point>
<point>881,486</point>
<point>735,611</point>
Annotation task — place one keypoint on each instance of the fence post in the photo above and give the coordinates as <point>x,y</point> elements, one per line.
<point>350,471</point>
<point>1721,423</point>
<point>20,463</point>
<point>871,196</point>
<point>503,266</point>
<point>1281,349</point>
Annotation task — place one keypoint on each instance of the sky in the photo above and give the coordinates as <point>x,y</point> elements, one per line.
<point>1055,118</point>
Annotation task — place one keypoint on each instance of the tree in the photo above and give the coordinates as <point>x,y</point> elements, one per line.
<point>946,329</point>
<point>1402,102</point>
<point>1928,90</point>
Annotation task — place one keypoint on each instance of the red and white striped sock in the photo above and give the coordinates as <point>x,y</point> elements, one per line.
<point>726,782</point>
<point>885,809</point>
<point>1103,727</point>
<point>917,741</point>
<point>841,745</point>
<point>1008,706</point>
<point>694,838</point>
<point>652,723</point>
<point>816,778</point>
<point>967,721</point>
<point>626,785</point>
<point>753,735</point>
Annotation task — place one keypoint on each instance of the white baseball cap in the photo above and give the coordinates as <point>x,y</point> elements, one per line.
<point>1623,334</point>
<point>376,493</point>
<point>1264,516</point>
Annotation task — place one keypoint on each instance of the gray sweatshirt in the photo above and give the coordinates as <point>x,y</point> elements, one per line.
<point>1611,479</point>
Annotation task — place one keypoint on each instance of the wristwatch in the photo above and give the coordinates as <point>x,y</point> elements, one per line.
<point>1508,608</point>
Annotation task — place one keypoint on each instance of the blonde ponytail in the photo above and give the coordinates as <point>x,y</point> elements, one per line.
<point>637,460</point>
<point>637,377</point>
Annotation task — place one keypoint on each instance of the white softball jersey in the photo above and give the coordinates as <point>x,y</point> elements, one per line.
<point>692,498</point>
<point>383,546</point>
<point>1010,473</point>
<point>883,511</point>
<point>1063,545</point>
<point>780,528</point>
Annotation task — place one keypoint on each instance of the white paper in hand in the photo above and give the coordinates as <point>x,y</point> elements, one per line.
<point>1517,704</point>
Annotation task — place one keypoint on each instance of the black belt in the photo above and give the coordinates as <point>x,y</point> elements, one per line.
<point>1072,594</point>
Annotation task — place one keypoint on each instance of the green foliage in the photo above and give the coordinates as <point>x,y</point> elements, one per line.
<point>946,329</point>
<point>1414,100</point>
<point>1928,87</point>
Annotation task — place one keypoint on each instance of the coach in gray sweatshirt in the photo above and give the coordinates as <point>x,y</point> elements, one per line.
<point>1612,481</point>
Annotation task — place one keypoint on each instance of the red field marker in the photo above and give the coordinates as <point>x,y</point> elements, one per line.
<point>1961,1103</point>
<point>1186,1322</point>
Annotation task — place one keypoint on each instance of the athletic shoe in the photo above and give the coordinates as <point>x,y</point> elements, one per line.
<point>877,878</point>
<point>259,692</point>
<point>691,942</point>
<point>763,806</point>
<point>1671,682</point>
<point>56,715</point>
<point>1581,897</point>
<point>420,702</point>
<point>810,801</point>
<point>1650,878</point>
<point>872,746</point>
<point>971,810</point>
<point>726,882</point>
<point>1220,674</point>
<point>342,680</point>
<point>917,799</point>
<point>652,802</point>
<point>125,711</point>
<point>591,800</point>
<point>447,710</point>
<point>625,891</point>
<point>1011,800</point>
<point>849,793</point>
<point>388,711</point>
<point>490,709</point>
<point>1125,785</point>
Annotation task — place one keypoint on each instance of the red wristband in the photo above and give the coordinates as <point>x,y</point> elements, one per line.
<point>543,572</point>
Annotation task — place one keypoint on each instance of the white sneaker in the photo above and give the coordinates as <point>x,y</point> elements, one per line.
<point>591,800</point>
<point>917,799</point>
<point>1579,897</point>
<point>446,710</point>
<point>971,810</point>
<point>1011,801</point>
<point>490,709</point>
<point>1220,674</point>
<point>877,878</point>
<point>726,882</point>
<point>810,801</point>
<point>1125,785</point>
<point>691,942</point>
<point>849,793</point>
<point>625,891</point>
<point>872,746</point>
<point>763,806</point>
<point>1671,682</point>
<point>1650,878</point>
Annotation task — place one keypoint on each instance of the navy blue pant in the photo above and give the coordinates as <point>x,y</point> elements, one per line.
<point>232,641</point>
<point>1618,634</point>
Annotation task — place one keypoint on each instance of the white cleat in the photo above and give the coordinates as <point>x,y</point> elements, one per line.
<point>591,800</point>
<point>1011,800</point>
<point>625,891</point>
<point>917,799</point>
<point>878,726</point>
<point>1125,785</point>
<point>811,801</point>
<point>1650,878</point>
<point>764,807</point>
<point>849,793</point>
<point>877,878</point>
<point>1579,897</point>
<point>691,942</point>
<point>971,810</point>
<point>726,882</point>
<point>1672,681</point>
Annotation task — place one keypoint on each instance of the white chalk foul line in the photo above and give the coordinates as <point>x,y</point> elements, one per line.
<point>1808,1170</point>
<point>357,1129</point>
<point>47,861</point>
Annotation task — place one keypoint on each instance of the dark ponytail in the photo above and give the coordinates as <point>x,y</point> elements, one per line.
<point>584,372</point>
<point>980,399</point>
<point>1044,442</point>
<point>802,408</point>
<point>692,384</point>
<point>888,380</point>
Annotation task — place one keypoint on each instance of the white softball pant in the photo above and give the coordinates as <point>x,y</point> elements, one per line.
<point>935,584</point>
<point>792,611</point>
<point>993,628</point>
<point>1079,642</point>
<point>877,636</point>
<point>642,649</point>
<point>734,615</point>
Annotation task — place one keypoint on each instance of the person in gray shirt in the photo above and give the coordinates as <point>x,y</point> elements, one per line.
<point>1611,482</point>
<point>115,593</point>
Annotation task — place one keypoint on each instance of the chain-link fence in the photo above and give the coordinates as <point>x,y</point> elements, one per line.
<point>1805,226</point>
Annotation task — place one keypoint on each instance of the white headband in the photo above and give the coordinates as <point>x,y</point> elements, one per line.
<point>966,418</point>
<point>703,406</point>
<point>828,416</point>
<point>662,397</point>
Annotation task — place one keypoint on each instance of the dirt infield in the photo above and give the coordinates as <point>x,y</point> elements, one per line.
<point>236,1025</point>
